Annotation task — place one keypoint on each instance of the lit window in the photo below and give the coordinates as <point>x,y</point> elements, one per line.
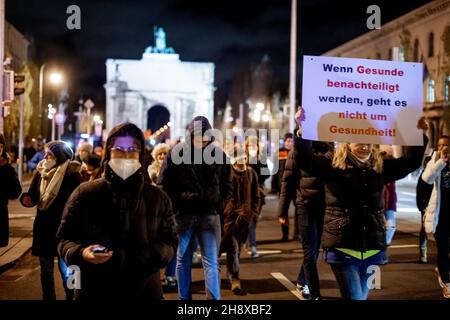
<point>430,91</point>
<point>447,89</point>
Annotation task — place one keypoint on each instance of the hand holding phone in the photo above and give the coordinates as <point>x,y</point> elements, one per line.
<point>96,254</point>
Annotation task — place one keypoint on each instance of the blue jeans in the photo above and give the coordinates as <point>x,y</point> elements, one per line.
<point>171,268</point>
<point>47,280</point>
<point>207,231</point>
<point>391,226</point>
<point>252,233</point>
<point>352,280</point>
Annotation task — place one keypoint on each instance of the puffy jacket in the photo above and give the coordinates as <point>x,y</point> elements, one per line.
<point>133,219</point>
<point>354,214</point>
<point>196,189</point>
<point>432,175</point>
<point>307,190</point>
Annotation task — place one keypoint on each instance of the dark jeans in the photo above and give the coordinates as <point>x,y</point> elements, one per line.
<point>47,278</point>
<point>422,234</point>
<point>352,280</point>
<point>310,226</point>
<point>442,236</point>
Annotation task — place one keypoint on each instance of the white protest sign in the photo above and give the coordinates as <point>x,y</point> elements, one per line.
<point>362,100</point>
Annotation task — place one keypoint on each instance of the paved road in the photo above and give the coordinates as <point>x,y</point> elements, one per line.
<point>273,275</point>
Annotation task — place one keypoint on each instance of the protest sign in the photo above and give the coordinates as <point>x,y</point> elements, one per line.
<point>362,100</point>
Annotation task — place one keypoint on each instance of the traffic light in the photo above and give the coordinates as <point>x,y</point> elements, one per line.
<point>18,89</point>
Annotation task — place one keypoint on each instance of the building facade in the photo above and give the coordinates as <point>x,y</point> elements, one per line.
<point>158,91</point>
<point>422,35</point>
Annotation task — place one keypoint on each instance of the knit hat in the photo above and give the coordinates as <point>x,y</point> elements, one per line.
<point>197,124</point>
<point>60,150</point>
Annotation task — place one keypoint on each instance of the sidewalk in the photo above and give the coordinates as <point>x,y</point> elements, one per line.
<point>20,232</point>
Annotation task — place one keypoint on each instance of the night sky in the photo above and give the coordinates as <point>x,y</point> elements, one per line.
<point>232,34</point>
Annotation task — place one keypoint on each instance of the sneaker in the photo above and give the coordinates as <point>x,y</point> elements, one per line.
<point>442,284</point>
<point>254,253</point>
<point>446,291</point>
<point>171,282</point>
<point>304,290</point>
<point>423,255</point>
<point>196,258</point>
<point>236,286</point>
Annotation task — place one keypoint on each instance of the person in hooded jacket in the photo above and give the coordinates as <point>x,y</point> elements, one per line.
<point>354,234</point>
<point>10,188</point>
<point>199,188</point>
<point>56,177</point>
<point>119,229</point>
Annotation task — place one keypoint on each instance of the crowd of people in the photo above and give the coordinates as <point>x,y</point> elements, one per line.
<point>123,213</point>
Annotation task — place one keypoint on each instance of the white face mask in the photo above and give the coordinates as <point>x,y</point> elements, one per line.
<point>49,163</point>
<point>124,168</point>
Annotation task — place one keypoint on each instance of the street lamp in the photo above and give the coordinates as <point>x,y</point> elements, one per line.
<point>55,79</point>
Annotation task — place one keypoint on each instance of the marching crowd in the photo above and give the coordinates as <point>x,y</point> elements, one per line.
<point>125,216</point>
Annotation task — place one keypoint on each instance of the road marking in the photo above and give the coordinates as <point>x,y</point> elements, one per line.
<point>288,284</point>
<point>399,246</point>
<point>260,252</point>
<point>413,194</point>
<point>409,210</point>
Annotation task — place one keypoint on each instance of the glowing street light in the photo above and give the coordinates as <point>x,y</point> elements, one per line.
<point>260,106</point>
<point>55,78</point>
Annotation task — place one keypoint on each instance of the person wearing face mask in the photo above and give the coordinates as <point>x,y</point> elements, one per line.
<point>354,233</point>
<point>10,188</point>
<point>119,229</point>
<point>56,177</point>
<point>196,176</point>
<point>437,213</point>
<point>238,214</point>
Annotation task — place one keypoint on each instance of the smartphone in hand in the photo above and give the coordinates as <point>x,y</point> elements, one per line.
<point>100,251</point>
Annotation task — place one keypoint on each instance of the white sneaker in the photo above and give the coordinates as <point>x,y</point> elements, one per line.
<point>304,290</point>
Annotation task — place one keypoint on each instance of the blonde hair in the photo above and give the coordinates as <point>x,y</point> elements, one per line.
<point>160,148</point>
<point>341,154</point>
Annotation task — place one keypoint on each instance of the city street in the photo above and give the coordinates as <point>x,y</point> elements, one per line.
<point>271,276</point>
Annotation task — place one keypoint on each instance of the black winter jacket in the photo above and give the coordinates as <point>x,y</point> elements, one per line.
<point>133,219</point>
<point>196,189</point>
<point>10,188</point>
<point>354,214</point>
<point>47,222</point>
<point>299,185</point>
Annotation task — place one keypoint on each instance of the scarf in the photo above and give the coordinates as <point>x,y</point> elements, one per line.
<point>360,163</point>
<point>51,181</point>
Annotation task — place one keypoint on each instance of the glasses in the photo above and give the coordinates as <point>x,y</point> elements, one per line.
<point>123,152</point>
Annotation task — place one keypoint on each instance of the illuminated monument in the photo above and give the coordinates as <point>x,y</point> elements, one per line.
<point>157,89</point>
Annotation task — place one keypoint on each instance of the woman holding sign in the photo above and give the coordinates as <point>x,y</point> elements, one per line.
<point>354,234</point>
